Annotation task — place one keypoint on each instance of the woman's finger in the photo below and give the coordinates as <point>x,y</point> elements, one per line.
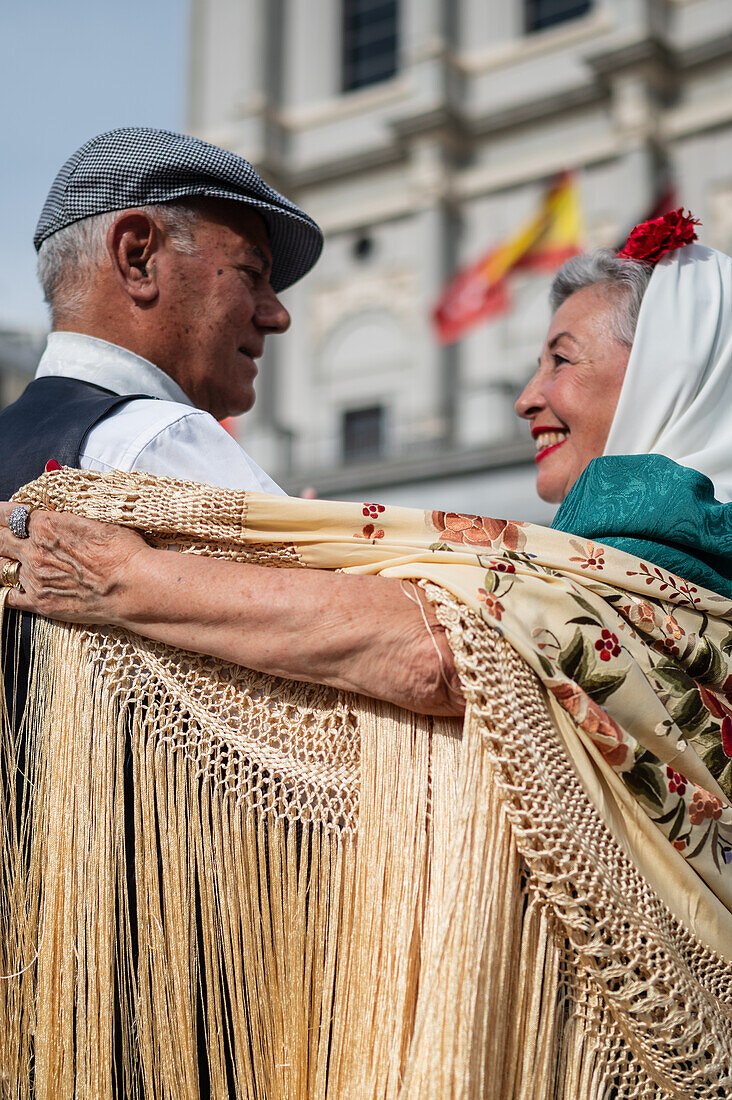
<point>6,507</point>
<point>11,546</point>
<point>16,597</point>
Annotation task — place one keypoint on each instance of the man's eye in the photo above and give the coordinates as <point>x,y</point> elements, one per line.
<point>559,359</point>
<point>254,273</point>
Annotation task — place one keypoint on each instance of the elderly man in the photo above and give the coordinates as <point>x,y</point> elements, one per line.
<point>161,257</point>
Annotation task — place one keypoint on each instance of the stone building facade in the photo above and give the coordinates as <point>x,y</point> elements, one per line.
<point>419,133</point>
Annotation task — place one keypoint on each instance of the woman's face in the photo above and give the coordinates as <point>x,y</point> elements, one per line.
<point>571,400</point>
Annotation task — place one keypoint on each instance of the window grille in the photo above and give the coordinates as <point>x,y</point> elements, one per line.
<point>546,13</point>
<point>363,433</point>
<point>370,42</point>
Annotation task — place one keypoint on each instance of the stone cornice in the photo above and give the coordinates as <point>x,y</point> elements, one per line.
<point>428,466</point>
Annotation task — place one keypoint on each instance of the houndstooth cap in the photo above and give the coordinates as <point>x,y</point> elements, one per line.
<point>142,166</point>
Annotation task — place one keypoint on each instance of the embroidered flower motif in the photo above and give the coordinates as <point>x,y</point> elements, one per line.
<point>651,240</point>
<point>503,566</point>
<point>672,627</point>
<point>607,644</point>
<point>676,781</point>
<point>592,557</point>
<point>373,511</point>
<point>704,805</point>
<point>369,532</point>
<point>679,845</point>
<point>614,745</point>
<point>493,606</point>
<point>479,530</point>
<point>642,614</point>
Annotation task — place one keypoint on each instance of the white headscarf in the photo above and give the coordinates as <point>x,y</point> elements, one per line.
<point>676,398</point>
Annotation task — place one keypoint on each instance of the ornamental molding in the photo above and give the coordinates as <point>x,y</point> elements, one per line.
<point>395,293</point>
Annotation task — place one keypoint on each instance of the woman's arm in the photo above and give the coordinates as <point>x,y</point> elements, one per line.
<point>359,633</point>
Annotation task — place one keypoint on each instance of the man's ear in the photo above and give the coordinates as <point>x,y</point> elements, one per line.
<point>132,243</point>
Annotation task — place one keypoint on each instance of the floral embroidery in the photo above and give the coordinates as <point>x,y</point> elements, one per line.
<point>615,746</point>
<point>676,781</point>
<point>373,511</point>
<point>704,805</point>
<point>680,589</point>
<point>592,557</point>
<point>479,530</point>
<point>672,627</point>
<point>607,645</point>
<point>369,532</point>
<point>493,606</point>
<point>641,614</point>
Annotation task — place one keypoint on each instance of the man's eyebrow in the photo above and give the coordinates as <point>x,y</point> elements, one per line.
<point>261,255</point>
<point>555,339</point>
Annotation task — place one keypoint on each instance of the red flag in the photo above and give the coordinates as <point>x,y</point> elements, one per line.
<point>544,243</point>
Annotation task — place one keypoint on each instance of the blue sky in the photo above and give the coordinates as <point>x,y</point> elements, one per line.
<point>72,69</point>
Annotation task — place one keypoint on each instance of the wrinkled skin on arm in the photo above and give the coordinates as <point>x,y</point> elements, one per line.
<point>357,633</point>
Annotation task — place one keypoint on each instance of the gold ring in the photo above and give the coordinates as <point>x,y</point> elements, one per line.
<point>9,576</point>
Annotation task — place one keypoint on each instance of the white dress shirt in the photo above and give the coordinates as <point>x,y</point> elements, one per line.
<point>167,436</point>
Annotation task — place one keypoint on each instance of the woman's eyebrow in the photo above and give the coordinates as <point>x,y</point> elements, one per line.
<point>555,339</point>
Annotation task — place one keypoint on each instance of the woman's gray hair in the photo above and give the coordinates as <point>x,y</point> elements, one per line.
<point>68,259</point>
<point>626,280</point>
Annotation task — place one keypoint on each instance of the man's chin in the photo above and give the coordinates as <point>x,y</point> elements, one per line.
<point>237,408</point>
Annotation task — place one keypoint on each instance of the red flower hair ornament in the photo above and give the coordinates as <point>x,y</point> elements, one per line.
<point>651,240</point>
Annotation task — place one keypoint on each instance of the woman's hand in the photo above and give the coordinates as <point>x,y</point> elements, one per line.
<point>71,568</point>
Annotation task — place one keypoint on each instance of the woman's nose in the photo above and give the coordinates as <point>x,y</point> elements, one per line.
<point>530,400</point>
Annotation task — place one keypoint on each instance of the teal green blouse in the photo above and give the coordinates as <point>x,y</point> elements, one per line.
<point>653,508</point>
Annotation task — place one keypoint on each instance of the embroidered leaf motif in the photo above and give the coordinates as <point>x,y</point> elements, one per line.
<point>586,607</point>
<point>491,581</point>
<point>725,779</point>
<point>546,664</point>
<point>713,757</point>
<point>707,663</point>
<point>440,546</point>
<point>727,643</point>
<point>584,620</point>
<point>603,684</point>
<point>644,781</point>
<point>678,822</point>
<point>573,659</point>
<point>689,713</point>
<point>672,677</point>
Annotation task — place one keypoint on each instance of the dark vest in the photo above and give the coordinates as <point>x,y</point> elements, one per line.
<point>50,419</point>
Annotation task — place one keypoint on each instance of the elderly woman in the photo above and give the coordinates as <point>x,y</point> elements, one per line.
<point>637,362</point>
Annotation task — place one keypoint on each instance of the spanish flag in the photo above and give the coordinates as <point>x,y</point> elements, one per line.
<point>543,244</point>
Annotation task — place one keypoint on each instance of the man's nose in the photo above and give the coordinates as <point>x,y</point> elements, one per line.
<point>271,314</point>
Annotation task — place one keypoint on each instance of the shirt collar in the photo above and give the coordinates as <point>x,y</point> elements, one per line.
<point>74,355</point>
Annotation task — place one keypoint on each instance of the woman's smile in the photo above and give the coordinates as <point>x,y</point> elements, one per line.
<point>548,440</point>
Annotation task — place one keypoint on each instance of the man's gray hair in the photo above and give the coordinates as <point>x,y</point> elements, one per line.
<point>67,260</point>
<point>626,280</point>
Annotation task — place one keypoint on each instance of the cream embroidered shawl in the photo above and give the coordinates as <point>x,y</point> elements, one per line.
<point>339,899</point>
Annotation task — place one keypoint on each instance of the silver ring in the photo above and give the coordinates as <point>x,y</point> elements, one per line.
<point>18,521</point>
<point>9,575</point>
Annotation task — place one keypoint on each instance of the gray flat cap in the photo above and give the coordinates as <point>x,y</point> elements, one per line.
<point>140,166</point>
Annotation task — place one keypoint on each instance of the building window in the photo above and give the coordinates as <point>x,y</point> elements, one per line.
<point>545,13</point>
<point>363,433</point>
<point>369,42</point>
